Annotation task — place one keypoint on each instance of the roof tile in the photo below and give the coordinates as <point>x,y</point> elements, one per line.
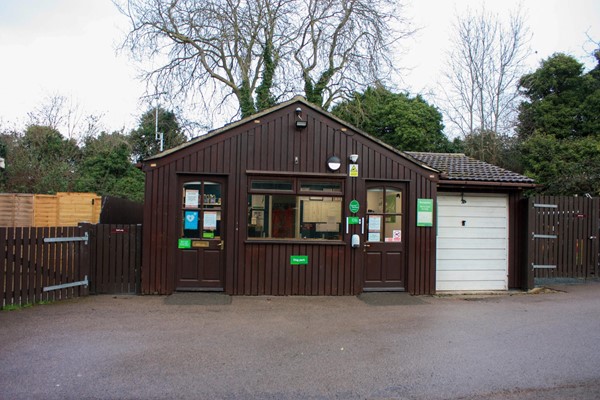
<point>458,166</point>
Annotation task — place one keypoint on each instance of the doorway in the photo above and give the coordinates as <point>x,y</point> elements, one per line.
<point>385,237</point>
<point>201,243</point>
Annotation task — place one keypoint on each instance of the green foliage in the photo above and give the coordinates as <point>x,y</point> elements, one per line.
<point>143,141</point>
<point>562,101</point>
<point>559,126</point>
<point>563,166</point>
<point>39,161</point>
<point>106,168</point>
<point>264,98</point>
<point>408,124</point>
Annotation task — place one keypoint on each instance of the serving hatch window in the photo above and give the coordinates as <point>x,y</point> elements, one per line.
<point>311,210</point>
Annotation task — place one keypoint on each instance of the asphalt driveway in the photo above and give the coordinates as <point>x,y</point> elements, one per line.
<point>520,346</point>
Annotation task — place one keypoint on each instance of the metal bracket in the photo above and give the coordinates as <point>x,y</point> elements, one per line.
<point>83,238</point>
<point>536,236</point>
<point>84,282</point>
<point>537,205</point>
<point>543,266</point>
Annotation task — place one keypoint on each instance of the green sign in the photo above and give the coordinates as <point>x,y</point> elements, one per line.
<point>299,260</point>
<point>353,220</point>
<point>424,212</point>
<point>354,206</point>
<point>208,235</point>
<point>184,243</point>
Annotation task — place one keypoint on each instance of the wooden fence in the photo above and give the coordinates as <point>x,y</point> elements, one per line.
<point>115,259</point>
<point>563,237</point>
<point>29,266</point>
<point>40,210</point>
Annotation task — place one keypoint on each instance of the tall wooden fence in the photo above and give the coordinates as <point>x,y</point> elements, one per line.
<point>49,264</point>
<point>563,237</point>
<point>45,210</point>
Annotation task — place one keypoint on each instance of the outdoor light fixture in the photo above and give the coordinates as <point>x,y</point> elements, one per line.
<point>353,158</point>
<point>334,163</point>
<point>300,124</point>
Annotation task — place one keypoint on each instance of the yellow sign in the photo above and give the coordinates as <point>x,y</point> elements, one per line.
<point>200,243</point>
<point>353,170</point>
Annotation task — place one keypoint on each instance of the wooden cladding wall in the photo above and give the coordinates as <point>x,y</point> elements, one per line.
<point>266,270</point>
<point>61,209</point>
<point>564,237</point>
<point>270,146</point>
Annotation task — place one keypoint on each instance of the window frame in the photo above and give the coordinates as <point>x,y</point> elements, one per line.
<point>296,192</point>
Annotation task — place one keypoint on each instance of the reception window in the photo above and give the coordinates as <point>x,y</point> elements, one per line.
<point>295,209</point>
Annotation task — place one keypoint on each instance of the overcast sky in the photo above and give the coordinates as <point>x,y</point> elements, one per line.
<point>68,48</point>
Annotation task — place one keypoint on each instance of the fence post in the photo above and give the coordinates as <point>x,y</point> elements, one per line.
<point>84,259</point>
<point>529,278</point>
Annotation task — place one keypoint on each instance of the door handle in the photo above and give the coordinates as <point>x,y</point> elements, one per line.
<point>222,245</point>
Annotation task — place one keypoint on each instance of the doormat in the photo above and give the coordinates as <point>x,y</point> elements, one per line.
<point>198,299</point>
<point>390,299</point>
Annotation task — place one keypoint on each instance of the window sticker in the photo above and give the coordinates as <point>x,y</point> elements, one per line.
<point>191,198</point>
<point>191,220</point>
<point>210,220</point>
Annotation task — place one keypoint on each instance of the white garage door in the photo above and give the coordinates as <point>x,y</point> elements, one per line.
<point>472,242</point>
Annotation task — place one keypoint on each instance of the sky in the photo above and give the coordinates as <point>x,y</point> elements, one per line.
<point>69,48</point>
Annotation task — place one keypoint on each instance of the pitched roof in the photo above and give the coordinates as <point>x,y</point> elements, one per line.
<point>456,166</point>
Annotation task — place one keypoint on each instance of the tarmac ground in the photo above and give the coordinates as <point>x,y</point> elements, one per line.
<point>374,346</point>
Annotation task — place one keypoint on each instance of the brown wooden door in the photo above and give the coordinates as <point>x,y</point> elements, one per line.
<point>384,237</point>
<point>201,243</point>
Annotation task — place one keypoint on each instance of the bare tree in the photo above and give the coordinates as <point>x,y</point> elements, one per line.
<point>50,112</point>
<point>66,116</point>
<point>257,51</point>
<point>484,65</point>
<point>209,46</point>
<point>346,45</point>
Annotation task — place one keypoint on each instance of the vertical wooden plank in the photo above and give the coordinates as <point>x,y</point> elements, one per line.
<point>595,240</point>
<point>119,258</point>
<point>104,237</point>
<point>31,266</point>
<point>38,238</point>
<point>3,268</point>
<point>64,262</point>
<point>20,291</point>
<point>128,276</point>
<point>138,258</point>
<point>85,259</point>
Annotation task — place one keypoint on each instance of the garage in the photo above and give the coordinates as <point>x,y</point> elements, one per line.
<point>472,242</point>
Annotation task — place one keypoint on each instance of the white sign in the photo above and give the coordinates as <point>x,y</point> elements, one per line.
<point>210,221</point>
<point>374,237</point>
<point>191,198</point>
<point>374,223</point>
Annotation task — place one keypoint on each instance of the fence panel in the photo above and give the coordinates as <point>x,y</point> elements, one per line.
<point>564,239</point>
<point>28,265</point>
<point>115,259</point>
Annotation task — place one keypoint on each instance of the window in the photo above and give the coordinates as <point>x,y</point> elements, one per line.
<point>201,210</point>
<point>295,209</point>
<point>384,214</point>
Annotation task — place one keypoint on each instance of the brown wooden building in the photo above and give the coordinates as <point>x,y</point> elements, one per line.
<point>293,201</point>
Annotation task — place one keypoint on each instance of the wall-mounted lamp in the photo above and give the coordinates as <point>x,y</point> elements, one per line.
<point>334,163</point>
<point>353,158</point>
<point>300,124</point>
